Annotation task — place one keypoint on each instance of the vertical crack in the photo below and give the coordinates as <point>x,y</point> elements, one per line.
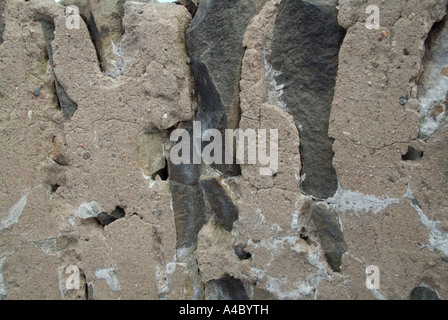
<point>2,20</point>
<point>67,105</point>
<point>96,39</point>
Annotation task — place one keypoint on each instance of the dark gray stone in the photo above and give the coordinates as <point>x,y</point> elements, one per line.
<point>226,288</point>
<point>221,203</point>
<point>423,293</point>
<point>36,91</point>
<point>215,46</point>
<point>105,218</point>
<point>188,203</point>
<point>2,23</point>
<point>330,235</point>
<point>189,212</point>
<point>305,50</point>
<point>185,173</point>
<point>67,105</point>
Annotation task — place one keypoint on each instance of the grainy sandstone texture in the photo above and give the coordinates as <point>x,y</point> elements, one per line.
<point>87,182</point>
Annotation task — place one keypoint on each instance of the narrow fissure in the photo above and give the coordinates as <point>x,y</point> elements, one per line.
<point>96,39</point>
<point>162,173</point>
<point>2,20</point>
<point>190,5</point>
<point>67,106</point>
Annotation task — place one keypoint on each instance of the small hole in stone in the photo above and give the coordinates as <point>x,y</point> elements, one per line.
<point>162,173</point>
<point>412,155</point>
<point>306,238</point>
<point>105,218</point>
<point>54,187</point>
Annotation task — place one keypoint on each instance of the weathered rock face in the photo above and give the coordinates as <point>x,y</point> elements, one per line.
<point>375,120</point>
<point>305,55</point>
<point>97,155</point>
<point>226,288</point>
<point>91,195</point>
<point>2,23</point>
<point>214,42</point>
<point>105,25</point>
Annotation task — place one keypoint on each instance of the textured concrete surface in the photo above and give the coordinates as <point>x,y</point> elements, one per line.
<point>91,194</point>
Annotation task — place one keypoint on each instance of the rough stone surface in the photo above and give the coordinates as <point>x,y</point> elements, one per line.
<point>41,197</point>
<point>214,42</point>
<point>104,20</point>
<point>2,23</point>
<point>330,235</point>
<point>226,288</point>
<point>305,58</point>
<point>423,293</point>
<point>97,192</point>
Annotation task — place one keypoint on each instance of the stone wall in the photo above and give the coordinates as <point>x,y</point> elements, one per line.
<point>90,98</point>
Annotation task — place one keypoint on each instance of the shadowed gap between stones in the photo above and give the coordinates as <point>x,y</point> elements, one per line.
<point>67,105</point>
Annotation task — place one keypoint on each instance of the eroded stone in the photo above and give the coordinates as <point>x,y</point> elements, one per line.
<point>330,235</point>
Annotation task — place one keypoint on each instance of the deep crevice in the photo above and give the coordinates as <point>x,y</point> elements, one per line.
<point>96,39</point>
<point>67,105</point>
<point>191,7</point>
<point>304,236</point>
<point>2,22</point>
